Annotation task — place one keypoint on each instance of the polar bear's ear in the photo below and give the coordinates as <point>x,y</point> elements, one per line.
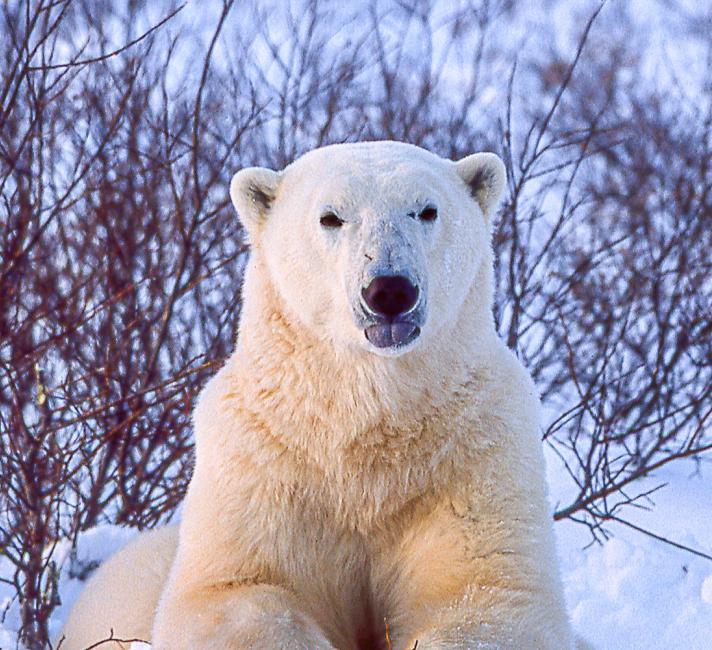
<point>253,191</point>
<point>484,174</point>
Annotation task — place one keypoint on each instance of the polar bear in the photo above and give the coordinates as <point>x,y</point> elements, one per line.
<point>369,472</point>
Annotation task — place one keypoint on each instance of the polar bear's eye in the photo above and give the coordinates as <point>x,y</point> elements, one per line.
<point>428,213</point>
<point>330,220</point>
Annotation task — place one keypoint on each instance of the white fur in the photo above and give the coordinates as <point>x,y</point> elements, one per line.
<point>337,484</point>
<point>120,600</point>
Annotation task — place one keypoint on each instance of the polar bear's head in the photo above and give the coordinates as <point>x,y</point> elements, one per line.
<point>371,245</point>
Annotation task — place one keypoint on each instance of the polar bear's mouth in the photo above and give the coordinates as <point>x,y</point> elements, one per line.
<point>392,335</point>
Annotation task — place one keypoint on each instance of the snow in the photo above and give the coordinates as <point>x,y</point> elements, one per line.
<point>634,591</point>
<point>706,590</point>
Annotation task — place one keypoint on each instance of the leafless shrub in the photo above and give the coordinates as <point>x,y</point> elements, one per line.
<point>119,256</point>
<point>606,293</point>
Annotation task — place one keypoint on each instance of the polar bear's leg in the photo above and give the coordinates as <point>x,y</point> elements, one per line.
<point>230,618</point>
<point>508,621</point>
<point>120,599</point>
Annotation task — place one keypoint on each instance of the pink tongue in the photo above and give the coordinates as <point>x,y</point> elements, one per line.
<point>389,335</point>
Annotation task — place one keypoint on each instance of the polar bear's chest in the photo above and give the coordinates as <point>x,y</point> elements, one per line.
<point>356,586</point>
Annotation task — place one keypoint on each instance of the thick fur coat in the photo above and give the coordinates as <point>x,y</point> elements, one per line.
<point>342,482</point>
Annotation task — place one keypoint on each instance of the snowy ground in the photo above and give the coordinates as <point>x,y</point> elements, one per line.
<point>635,592</point>
<point>632,593</point>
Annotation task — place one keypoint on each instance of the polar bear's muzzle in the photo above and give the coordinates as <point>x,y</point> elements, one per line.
<point>390,301</point>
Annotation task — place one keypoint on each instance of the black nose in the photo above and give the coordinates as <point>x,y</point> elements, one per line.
<point>390,295</point>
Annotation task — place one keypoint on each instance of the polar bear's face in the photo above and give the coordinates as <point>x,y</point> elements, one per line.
<point>371,245</point>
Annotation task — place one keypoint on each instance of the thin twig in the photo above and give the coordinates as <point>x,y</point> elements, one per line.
<point>108,55</point>
<point>660,538</point>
